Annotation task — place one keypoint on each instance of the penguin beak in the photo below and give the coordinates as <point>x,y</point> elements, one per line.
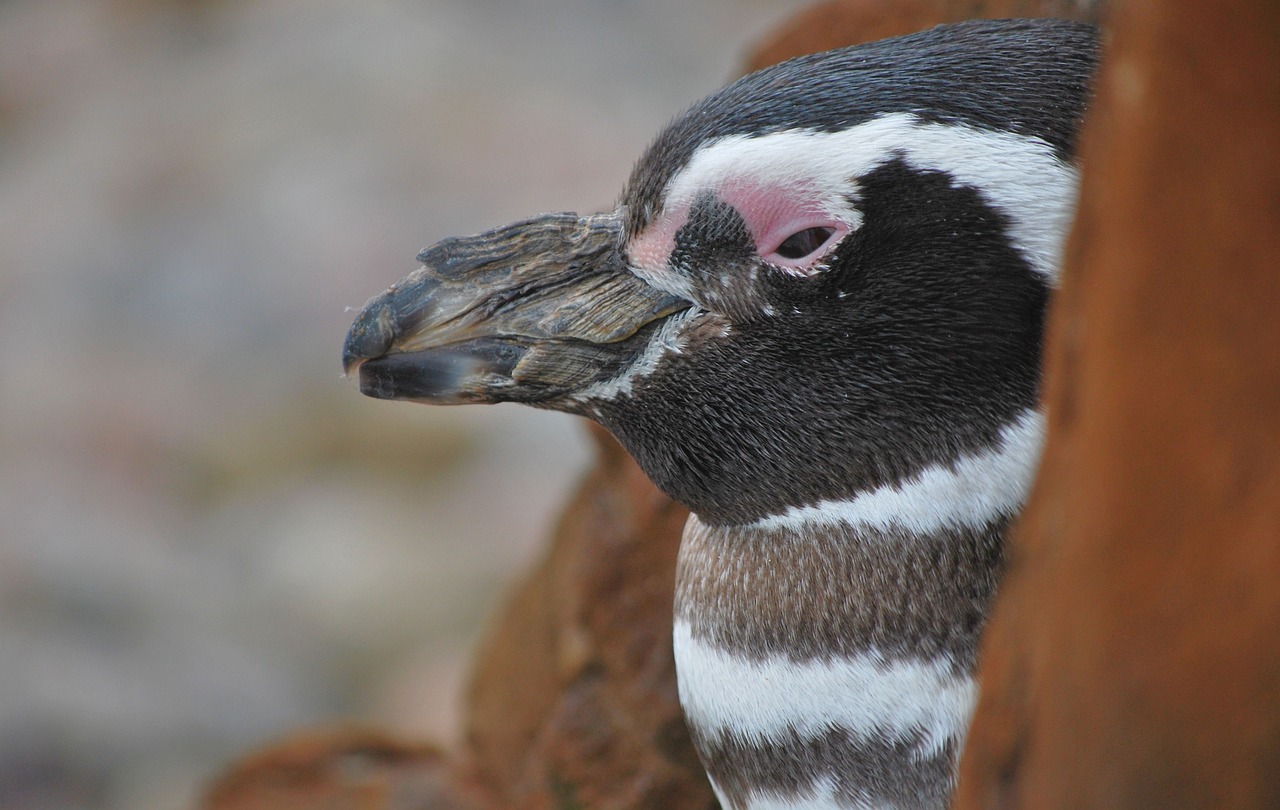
<point>530,312</point>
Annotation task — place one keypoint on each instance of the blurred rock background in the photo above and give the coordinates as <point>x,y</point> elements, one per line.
<point>207,537</point>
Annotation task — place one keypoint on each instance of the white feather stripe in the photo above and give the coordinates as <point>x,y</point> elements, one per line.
<point>820,796</point>
<point>724,693</point>
<point>970,492</point>
<point>1019,175</point>
<point>665,341</point>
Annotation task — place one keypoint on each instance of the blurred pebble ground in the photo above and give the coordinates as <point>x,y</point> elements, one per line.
<point>207,537</point>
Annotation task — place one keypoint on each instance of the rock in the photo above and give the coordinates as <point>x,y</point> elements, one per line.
<point>573,702</point>
<point>339,769</point>
<point>837,23</point>
<point>1133,659</point>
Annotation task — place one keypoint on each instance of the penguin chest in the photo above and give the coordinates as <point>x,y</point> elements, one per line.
<point>829,668</point>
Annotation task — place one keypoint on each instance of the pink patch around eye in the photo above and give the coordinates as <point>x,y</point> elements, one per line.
<point>774,215</point>
<point>651,249</point>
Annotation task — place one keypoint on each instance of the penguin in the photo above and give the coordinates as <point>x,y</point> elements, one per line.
<point>815,318</point>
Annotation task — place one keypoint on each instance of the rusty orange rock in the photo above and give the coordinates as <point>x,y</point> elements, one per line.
<point>339,769</point>
<point>573,703</point>
<point>837,23</point>
<point>1134,656</point>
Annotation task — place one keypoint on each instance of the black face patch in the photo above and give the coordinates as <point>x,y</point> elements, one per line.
<point>715,251</point>
<point>919,344</point>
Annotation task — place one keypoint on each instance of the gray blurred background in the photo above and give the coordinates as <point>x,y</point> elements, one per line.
<point>207,537</point>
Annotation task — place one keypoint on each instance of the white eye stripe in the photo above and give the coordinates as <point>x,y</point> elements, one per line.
<point>1019,175</point>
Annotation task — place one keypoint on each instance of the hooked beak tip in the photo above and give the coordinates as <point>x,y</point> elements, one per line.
<point>371,336</point>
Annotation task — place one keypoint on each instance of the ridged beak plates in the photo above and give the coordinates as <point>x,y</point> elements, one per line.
<point>529,312</point>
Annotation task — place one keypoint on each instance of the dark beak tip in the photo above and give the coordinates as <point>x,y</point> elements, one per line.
<point>369,337</point>
<point>352,356</point>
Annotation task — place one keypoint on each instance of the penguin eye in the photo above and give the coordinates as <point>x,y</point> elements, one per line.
<point>801,244</point>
